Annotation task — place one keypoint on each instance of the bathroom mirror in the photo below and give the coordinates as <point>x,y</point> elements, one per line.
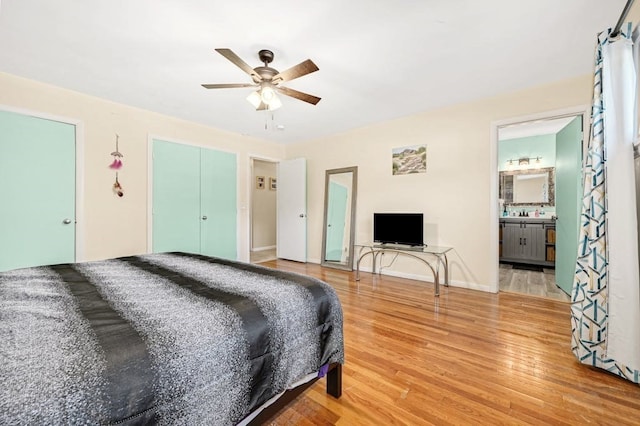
<point>528,187</point>
<point>339,217</point>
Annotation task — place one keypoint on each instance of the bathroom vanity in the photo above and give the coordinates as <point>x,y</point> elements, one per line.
<point>527,240</point>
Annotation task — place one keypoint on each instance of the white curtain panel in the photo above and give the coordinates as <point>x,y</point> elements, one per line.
<point>619,93</point>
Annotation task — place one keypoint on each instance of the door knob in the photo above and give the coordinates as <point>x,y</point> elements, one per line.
<point>66,221</point>
<point>301,214</point>
<point>204,218</point>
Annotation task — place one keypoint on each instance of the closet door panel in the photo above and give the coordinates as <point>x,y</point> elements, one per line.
<point>176,197</point>
<point>37,209</point>
<point>218,204</point>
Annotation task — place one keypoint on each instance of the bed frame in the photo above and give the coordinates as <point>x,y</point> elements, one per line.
<point>334,388</point>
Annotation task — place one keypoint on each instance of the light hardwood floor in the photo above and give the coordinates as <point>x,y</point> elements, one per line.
<point>530,282</point>
<point>465,358</point>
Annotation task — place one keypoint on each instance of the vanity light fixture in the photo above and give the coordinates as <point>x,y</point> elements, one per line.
<point>524,161</point>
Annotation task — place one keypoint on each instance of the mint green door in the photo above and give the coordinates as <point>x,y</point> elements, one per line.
<point>38,175</point>
<point>176,197</point>
<point>336,219</point>
<point>218,204</point>
<point>194,200</point>
<point>568,200</point>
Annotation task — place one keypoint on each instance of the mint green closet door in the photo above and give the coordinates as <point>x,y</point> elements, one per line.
<point>218,233</point>
<point>194,200</point>
<point>38,175</point>
<point>176,197</point>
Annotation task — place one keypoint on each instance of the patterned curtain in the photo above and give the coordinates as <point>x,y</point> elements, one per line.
<point>590,294</point>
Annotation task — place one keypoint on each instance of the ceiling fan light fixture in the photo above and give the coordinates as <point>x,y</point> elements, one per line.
<point>254,99</point>
<point>267,94</point>
<point>275,103</point>
<point>267,79</point>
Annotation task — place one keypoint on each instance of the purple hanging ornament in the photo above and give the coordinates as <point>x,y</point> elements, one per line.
<point>117,162</point>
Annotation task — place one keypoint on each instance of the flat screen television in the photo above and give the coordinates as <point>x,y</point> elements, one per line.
<point>398,228</point>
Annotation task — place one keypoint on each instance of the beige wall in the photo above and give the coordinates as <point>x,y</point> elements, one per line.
<point>454,194</point>
<point>263,215</point>
<point>115,226</point>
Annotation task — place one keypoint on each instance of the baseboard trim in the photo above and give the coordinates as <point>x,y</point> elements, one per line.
<point>429,278</point>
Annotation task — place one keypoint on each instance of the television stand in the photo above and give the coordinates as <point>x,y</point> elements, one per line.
<point>432,256</point>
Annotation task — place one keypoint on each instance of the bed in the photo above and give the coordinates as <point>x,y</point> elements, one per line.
<point>168,338</point>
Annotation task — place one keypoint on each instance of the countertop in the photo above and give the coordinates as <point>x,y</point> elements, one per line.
<point>531,219</point>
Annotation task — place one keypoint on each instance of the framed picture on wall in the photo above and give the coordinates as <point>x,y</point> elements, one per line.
<point>409,160</point>
<point>260,182</point>
<point>272,184</point>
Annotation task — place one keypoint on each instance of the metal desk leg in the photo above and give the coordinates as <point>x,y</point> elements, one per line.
<point>446,270</point>
<point>359,259</point>
<point>375,262</point>
<point>445,263</point>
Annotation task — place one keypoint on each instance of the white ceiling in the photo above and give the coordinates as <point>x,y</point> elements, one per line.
<point>378,59</point>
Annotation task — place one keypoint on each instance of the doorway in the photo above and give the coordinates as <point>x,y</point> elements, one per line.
<point>537,237</point>
<point>263,210</point>
<point>289,185</point>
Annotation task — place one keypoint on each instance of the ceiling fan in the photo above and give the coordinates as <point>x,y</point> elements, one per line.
<point>268,80</point>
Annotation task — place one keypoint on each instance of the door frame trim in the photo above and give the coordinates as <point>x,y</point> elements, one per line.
<point>79,162</point>
<point>494,261</point>
<point>150,139</point>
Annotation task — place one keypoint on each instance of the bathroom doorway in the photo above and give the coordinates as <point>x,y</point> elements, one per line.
<point>539,196</point>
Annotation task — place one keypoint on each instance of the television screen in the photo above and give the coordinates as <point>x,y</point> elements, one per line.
<point>398,228</point>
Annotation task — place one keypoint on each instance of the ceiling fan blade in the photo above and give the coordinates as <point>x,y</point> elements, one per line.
<point>303,68</point>
<point>227,86</point>
<point>299,95</point>
<point>227,53</point>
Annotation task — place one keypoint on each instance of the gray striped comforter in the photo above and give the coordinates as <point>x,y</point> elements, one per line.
<point>160,339</point>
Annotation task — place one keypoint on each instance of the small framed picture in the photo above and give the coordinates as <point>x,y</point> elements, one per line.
<point>273,184</point>
<point>260,182</point>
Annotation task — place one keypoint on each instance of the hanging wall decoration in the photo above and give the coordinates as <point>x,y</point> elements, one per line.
<point>117,165</point>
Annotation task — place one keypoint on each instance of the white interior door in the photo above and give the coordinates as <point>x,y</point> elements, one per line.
<point>292,210</point>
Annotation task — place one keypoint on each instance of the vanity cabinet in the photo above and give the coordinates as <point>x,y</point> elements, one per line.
<point>525,241</point>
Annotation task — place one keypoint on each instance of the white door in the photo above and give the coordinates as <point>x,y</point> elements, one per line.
<point>291,208</point>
